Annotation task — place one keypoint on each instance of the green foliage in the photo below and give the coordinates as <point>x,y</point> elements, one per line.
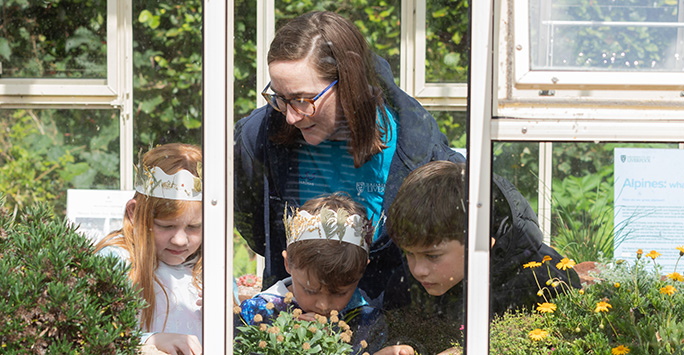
<point>58,296</point>
<point>629,307</point>
<point>44,39</point>
<point>45,152</point>
<point>584,216</point>
<point>290,335</point>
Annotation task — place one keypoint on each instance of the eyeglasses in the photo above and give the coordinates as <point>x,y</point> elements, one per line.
<point>301,105</point>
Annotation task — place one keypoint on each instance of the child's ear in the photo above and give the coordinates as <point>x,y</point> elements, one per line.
<point>130,209</point>
<point>287,267</point>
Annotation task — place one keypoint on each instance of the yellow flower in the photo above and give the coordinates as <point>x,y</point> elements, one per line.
<point>653,254</point>
<point>263,327</point>
<point>546,258</point>
<point>681,250</point>
<point>602,307</point>
<point>540,293</point>
<point>269,305</point>
<point>334,319</point>
<point>532,264</point>
<point>617,285</point>
<point>237,310</point>
<point>313,329</point>
<point>364,344</point>
<point>546,307</point>
<point>675,276</point>
<point>296,313</point>
<point>342,324</point>
<point>258,318</point>
<point>639,253</point>
<point>538,334</point>
<point>669,289</point>
<point>620,350</point>
<point>345,337</point>
<point>581,292</point>
<point>565,264</point>
<point>262,344</point>
<point>280,338</point>
<point>333,313</point>
<point>288,297</point>
<point>306,346</point>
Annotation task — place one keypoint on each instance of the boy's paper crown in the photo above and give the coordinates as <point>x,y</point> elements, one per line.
<point>328,224</point>
<point>180,186</point>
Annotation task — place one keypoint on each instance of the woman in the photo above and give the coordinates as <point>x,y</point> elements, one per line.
<point>335,121</point>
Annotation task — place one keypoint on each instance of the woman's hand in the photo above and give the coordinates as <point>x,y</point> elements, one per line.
<point>396,350</point>
<point>176,344</point>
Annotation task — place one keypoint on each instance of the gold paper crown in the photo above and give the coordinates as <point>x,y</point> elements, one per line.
<point>328,224</point>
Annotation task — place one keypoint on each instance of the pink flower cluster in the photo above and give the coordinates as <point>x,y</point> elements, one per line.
<point>249,280</point>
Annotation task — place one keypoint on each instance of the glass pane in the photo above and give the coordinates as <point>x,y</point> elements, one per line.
<point>167,42</point>
<point>446,57</point>
<point>623,35</point>
<point>299,172</point>
<point>608,200</point>
<point>53,39</point>
<point>46,152</point>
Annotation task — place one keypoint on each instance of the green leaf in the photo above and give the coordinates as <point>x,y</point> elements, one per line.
<point>5,50</point>
<point>145,16</point>
<point>148,106</point>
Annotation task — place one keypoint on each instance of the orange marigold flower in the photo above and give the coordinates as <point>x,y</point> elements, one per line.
<point>602,307</point>
<point>565,264</point>
<point>620,350</point>
<point>639,253</point>
<point>532,264</point>
<point>546,258</point>
<point>675,276</point>
<point>546,307</point>
<point>669,289</point>
<point>653,254</point>
<point>538,334</point>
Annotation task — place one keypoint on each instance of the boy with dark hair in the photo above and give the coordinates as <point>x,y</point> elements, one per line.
<point>427,221</point>
<point>328,239</point>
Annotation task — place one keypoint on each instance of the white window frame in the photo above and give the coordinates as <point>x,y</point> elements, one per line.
<point>526,78</point>
<point>433,96</point>
<point>114,92</point>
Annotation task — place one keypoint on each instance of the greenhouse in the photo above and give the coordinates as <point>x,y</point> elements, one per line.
<point>564,118</point>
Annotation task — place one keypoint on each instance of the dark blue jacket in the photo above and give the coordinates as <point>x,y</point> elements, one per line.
<point>261,168</point>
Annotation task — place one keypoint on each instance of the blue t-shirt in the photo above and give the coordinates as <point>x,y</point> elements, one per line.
<point>328,167</point>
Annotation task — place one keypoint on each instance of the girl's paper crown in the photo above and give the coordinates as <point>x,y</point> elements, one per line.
<point>328,224</point>
<point>180,186</point>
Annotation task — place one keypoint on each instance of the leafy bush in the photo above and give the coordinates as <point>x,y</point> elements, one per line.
<point>56,295</point>
<point>630,310</point>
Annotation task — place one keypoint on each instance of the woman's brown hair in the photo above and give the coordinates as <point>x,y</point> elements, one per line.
<point>137,237</point>
<point>337,50</point>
